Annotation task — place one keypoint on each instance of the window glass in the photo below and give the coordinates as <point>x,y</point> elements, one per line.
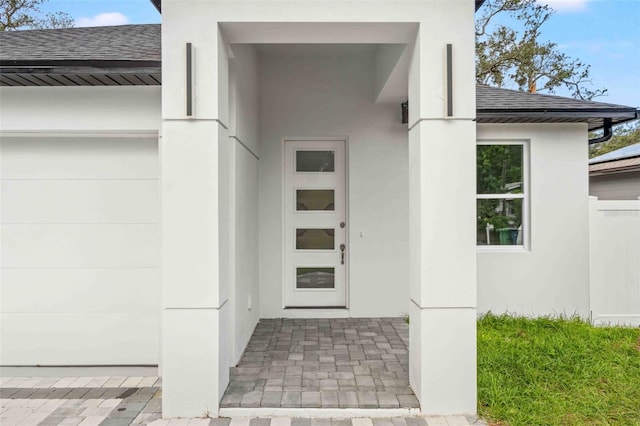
<point>500,221</point>
<point>499,169</point>
<point>501,195</point>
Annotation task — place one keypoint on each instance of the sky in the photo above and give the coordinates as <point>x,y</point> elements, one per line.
<point>602,33</point>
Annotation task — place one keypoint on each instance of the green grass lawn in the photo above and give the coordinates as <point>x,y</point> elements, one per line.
<point>557,372</point>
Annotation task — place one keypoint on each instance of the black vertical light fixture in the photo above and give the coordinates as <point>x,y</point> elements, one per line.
<point>189,80</point>
<point>405,112</point>
<point>449,80</point>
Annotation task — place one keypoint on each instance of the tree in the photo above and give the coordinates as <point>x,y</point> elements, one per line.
<point>623,135</point>
<point>54,20</point>
<point>25,14</point>
<point>507,54</point>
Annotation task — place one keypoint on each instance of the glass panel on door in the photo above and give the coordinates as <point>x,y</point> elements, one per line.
<point>315,161</point>
<point>315,239</point>
<point>315,200</point>
<point>315,277</point>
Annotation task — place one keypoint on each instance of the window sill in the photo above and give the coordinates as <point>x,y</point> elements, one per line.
<point>502,249</point>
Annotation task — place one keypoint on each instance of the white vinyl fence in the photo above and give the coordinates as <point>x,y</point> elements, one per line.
<point>615,261</point>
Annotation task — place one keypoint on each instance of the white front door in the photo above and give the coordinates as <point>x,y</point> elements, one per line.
<point>315,224</point>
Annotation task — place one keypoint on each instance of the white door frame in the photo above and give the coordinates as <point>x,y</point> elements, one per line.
<point>295,311</point>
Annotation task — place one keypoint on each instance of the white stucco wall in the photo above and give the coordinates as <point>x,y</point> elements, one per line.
<point>246,296</point>
<point>442,262</point>
<point>80,226</point>
<point>334,98</point>
<point>109,109</point>
<point>551,276</point>
<point>310,96</point>
<point>243,98</point>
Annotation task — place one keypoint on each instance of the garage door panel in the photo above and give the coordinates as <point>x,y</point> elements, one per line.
<point>80,290</point>
<point>78,158</point>
<point>79,277</point>
<point>79,339</point>
<point>80,201</point>
<point>80,246</point>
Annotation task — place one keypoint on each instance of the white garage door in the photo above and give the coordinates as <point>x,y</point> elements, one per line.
<point>79,256</point>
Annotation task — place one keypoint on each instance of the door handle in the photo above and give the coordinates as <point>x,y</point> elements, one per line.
<point>342,248</point>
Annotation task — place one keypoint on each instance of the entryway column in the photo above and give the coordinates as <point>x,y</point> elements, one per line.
<point>193,150</point>
<point>442,214</point>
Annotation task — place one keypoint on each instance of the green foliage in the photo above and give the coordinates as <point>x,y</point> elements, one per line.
<point>557,371</point>
<point>515,55</point>
<point>498,166</point>
<point>623,135</point>
<point>25,14</point>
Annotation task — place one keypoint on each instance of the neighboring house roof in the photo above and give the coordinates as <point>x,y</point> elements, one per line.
<point>619,154</point>
<point>626,165</point>
<point>621,160</point>
<point>131,55</point>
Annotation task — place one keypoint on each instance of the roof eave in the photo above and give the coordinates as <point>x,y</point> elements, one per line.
<point>602,171</point>
<point>158,4</point>
<point>592,116</point>
<point>43,66</point>
<point>561,112</point>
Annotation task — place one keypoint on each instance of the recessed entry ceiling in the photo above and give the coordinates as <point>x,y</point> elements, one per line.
<point>390,63</point>
<point>317,49</point>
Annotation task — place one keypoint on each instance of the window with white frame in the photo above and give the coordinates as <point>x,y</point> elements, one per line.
<point>502,200</point>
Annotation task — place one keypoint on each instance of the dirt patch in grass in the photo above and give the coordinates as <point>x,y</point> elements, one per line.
<point>557,372</point>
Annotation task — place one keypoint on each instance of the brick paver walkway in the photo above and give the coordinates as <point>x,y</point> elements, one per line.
<point>324,363</point>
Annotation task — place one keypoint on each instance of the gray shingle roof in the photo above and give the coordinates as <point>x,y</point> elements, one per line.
<point>131,55</point>
<point>494,98</point>
<point>497,105</point>
<point>126,42</point>
<point>96,56</point>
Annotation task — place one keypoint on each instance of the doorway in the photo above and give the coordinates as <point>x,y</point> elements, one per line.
<point>316,255</point>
